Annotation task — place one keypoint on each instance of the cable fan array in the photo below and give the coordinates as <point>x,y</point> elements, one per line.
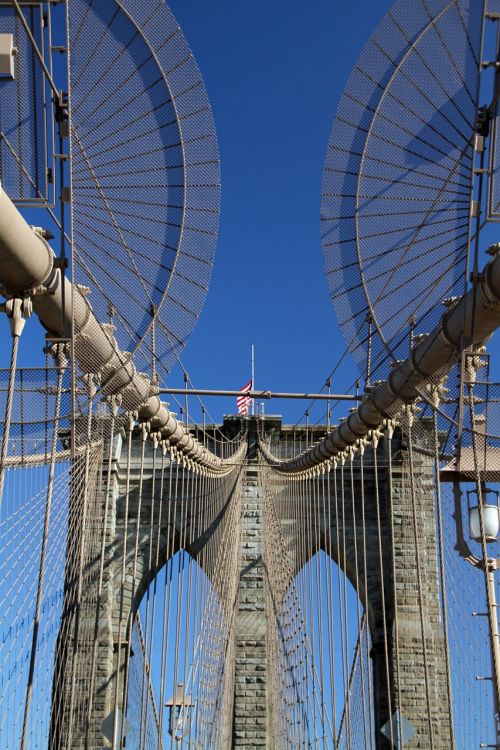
<point>145,175</point>
<point>397,186</point>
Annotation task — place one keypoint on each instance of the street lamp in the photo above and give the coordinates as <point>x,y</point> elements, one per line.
<point>491,515</point>
<point>484,526</point>
<point>179,706</point>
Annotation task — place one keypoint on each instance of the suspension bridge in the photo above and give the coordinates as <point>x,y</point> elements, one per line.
<point>178,582</point>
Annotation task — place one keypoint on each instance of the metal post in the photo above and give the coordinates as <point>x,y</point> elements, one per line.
<point>490,567</point>
<point>186,405</point>
<point>328,409</point>
<point>253,378</point>
<point>369,320</point>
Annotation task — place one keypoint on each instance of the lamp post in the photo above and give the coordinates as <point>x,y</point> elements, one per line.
<point>179,706</point>
<point>484,524</point>
<point>476,464</point>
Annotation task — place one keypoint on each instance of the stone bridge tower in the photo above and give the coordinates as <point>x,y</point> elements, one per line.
<point>391,589</point>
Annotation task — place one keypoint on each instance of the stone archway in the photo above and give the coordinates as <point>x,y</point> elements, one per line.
<point>375,544</point>
<point>143,528</point>
<point>394,617</point>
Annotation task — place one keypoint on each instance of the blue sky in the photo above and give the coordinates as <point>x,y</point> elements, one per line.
<point>274,73</point>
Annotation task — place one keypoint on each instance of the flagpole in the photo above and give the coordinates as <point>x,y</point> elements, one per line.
<point>253,378</point>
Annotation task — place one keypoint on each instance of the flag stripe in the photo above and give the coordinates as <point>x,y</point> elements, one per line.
<point>243,402</point>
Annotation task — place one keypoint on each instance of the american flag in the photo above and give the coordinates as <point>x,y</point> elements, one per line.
<point>243,401</point>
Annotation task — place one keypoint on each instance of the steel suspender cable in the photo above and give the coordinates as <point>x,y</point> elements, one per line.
<point>81,558</point>
<point>344,599</point>
<point>341,560</point>
<point>166,590</point>
<point>102,555</point>
<point>145,691</point>
<point>357,587</point>
<point>329,584</point>
<point>61,362</point>
<point>416,534</point>
<point>120,666</point>
<point>442,574</point>
<point>365,575</point>
<point>14,309</point>
<point>390,503</point>
<point>385,646</point>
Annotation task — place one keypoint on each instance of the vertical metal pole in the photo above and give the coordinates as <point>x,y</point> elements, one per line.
<point>369,320</point>
<point>253,378</point>
<point>328,411</point>
<point>154,373</point>
<point>490,567</point>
